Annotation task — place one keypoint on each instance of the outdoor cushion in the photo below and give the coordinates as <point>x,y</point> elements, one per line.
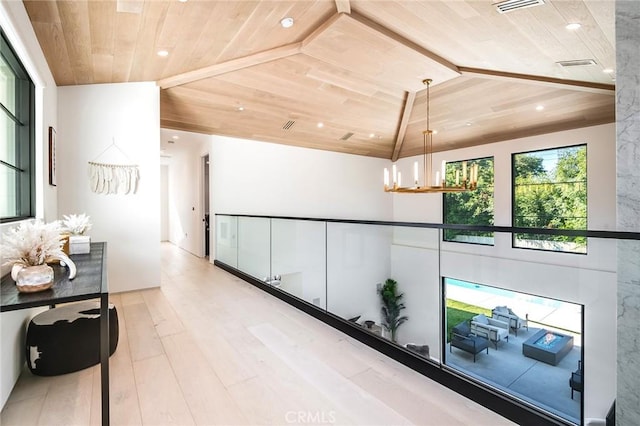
<point>482,319</point>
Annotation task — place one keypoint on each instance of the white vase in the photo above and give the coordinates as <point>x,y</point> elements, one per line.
<point>30,279</point>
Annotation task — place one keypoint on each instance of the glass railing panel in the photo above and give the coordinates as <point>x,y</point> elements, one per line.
<point>254,246</point>
<point>358,264</point>
<point>414,266</point>
<point>298,259</point>
<point>227,240</point>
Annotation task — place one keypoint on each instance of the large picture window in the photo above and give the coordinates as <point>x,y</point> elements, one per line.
<point>471,207</point>
<point>519,343</point>
<point>17,159</point>
<point>550,191</point>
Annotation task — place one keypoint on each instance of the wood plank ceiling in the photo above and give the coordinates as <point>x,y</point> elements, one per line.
<point>355,66</point>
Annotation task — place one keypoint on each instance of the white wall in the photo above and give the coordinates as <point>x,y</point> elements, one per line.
<point>183,156</point>
<point>262,178</point>
<point>91,118</point>
<point>16,25</point>
<point>164,202</point>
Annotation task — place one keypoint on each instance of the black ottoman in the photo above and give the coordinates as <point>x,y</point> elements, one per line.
<point>67,339</point>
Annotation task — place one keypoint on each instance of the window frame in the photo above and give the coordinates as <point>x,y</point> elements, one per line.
<point>444,204</point>
<point>513,198</point>
<point>24,120</point>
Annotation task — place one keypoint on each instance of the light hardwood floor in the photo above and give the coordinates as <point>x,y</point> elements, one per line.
<point>207,348</point>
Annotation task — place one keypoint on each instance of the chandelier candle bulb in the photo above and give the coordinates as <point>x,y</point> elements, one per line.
<point>399,179</point>
<point>415,172</point>
<point>457,177</point>
<point>437,178</point>
<point>464,171</point>
<point>386,177</point>
<point>395,174</point>
<point>443,172</point>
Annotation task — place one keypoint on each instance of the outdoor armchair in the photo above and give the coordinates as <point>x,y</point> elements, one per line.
<point>504,313</point>
<point>490,328</point>
<point>462,338</point>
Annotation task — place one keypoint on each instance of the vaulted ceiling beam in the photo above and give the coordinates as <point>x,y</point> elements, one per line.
<point>404,122</point>
<point>343,6</point>
<point>584,86</point>
<point>232,65</point>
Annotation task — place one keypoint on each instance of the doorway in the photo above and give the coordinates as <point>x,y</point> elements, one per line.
<point>205,196</point>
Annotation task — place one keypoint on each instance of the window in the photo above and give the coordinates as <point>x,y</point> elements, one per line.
<point>471,207</point>
<point>17,156</point>
<point>550,191</point>
<point>519,343</point>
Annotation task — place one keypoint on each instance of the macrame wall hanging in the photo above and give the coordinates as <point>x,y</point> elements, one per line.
<point>113,178</point>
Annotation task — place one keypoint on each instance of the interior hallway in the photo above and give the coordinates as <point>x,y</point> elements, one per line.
<point>208,348</point>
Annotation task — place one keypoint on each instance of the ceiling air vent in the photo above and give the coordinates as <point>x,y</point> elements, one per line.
<point>288,125</point>
<point>346,136</point>
<point>511,5</point>
<point>577,63</point>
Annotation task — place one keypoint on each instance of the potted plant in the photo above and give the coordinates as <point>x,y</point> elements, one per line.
<point>28,248</point>
<point>391,307</point>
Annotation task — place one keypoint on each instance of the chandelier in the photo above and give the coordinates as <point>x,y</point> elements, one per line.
<point>465,181</point>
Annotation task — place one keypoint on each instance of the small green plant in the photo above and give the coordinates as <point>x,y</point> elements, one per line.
<point>391,307</point>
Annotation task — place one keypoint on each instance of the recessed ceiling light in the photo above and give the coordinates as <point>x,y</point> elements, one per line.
<point>539,107</point>
<point>468,123</point>
<point>573,26</point>
<point>240,108</point>
<point>182,1</point>
<point>608,70</point>
<point>435,132</point>
<point>286,22</point>
<point>163,53</point>
<point>175,137</point>
<point>320,125</point>
<point>372,135</point>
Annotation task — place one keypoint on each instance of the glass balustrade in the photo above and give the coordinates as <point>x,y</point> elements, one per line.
<point>527,324</point>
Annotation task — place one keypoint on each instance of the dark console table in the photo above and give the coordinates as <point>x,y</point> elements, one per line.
<point>90,283</point>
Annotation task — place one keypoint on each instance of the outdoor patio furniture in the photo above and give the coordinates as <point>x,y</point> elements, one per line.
<point>576,379</point>
<point>490,328</point>
<point>462,338</point>
<point>504,313</point>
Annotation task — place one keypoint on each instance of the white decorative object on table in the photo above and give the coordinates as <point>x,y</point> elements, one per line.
<point>28,248</point>
<point>77,225</point>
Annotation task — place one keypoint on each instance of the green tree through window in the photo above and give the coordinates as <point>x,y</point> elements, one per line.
<point>471,207</point>
<point>550,191</point>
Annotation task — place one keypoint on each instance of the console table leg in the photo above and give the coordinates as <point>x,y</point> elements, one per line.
<point>104,356</point>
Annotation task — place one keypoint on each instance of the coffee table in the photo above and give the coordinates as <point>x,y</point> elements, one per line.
<point>547,346</point>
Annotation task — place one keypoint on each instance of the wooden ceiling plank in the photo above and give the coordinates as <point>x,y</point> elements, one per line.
<point>147,65</point>
<point>343,6</point>
<point>77,37</point>
<point>402,130</point>
<point>55,50</point>
<point>232,65</point>
<point>127,28</point>
<point>102,16</point>
<point>584,86</point>
<point>398,38</point>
